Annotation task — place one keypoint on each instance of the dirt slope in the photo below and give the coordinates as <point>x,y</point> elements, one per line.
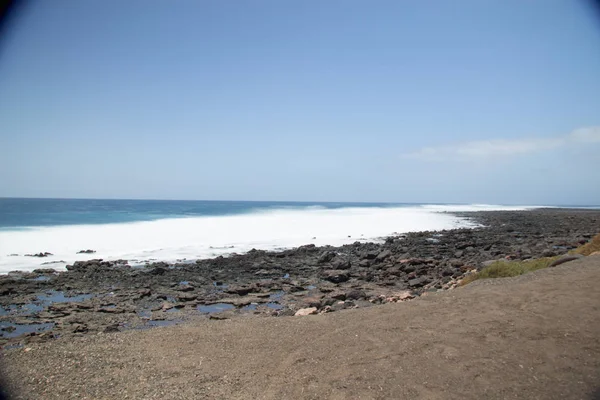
<point>532,337</point>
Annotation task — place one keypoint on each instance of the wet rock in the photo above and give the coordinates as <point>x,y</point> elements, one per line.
<point>44,271</point>
<point>336,276</point>
<point>88,251</point>
<point>39,255</point>
<point>306,311</point>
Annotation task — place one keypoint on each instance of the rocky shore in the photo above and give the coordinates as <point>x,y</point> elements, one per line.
<point>107,296</point>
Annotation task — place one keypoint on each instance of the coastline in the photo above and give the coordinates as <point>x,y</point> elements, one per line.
<point>102,297</point>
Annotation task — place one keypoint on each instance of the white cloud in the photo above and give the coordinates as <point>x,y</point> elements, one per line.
<point>505,148</point>
<point>586,135</point>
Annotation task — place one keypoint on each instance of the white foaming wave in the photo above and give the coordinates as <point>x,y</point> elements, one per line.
<point>202,237</point>
<point>475,207</point>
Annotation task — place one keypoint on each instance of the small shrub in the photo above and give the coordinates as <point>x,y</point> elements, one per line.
<point>590,247</point>
<point>505,269</point>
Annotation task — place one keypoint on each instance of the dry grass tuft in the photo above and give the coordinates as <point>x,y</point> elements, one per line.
<point>590,247</point>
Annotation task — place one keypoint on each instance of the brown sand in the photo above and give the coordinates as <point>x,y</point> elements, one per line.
<point>532,337</point>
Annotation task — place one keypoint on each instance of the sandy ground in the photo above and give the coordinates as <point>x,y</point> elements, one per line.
<point>532,337</point>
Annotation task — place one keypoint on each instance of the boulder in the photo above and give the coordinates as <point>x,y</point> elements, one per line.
<point>326,257</point>
<point>185,288</point>
<point>336,276</point>
<point>356,294</point>
<point>306,311</point>
<point>383,255</point>
<point>88,251</point>
<point>44,254</point>
<point>417,282</point>
<point>341,264</point>
<point>44,271</point>
<point>187,296</point>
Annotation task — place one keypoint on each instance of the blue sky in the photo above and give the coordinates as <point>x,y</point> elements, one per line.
<point>402,101</point>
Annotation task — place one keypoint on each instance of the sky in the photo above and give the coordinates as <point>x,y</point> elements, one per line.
<point>467,101</point>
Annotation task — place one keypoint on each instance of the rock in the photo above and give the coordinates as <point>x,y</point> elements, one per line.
<point>44,271</point>
<point>111,328</point>
<point>417,282</point>
<point>336,276</point>
<point>370,255</point>
<point>383,255</point>
<point>167,306</point>
<point>356,294</point>
<point>88,251</point>
<point>447,272</point>
<point>111,310</point>
<point>566,258</point>
<point>79,328</point>
<point>144,293</point>
<point>406,295</point>
<point>407,268</point>
<point>364,263</point>
<point>40,255</point>
<point>595,253</point>
<point>341,264</point>
<point>239,290</point>
<point>85,266</point>
<point>187,297</point>
<point>157,271</point>
<point>338,296</point>
<point>306,311</point>
<point>326,257</point>
<point>185,288</point>
<point>313,301</point>
<point>548,253</point>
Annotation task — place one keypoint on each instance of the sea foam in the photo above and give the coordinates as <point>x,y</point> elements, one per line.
<point>203,237</point>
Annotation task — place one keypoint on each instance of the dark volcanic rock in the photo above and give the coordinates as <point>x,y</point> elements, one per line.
<point>341,264</point>
<point>336,276</point>
<point>40,255</point>
<point>88,251</point>
<point>417,282</point>
<point>326,257</point>
<point>329,278</point>
<point>356,294</point>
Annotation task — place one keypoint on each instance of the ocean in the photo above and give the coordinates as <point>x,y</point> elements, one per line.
<point>171,230</point>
